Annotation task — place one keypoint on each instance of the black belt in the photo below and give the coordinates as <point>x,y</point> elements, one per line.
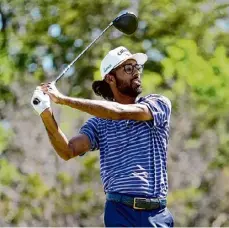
<point>137,202</point>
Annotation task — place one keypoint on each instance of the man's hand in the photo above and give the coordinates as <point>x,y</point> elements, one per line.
<point>51,90</point>
<point>43,98</point>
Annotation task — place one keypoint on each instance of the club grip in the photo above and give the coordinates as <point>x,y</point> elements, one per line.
<point>36,101</point>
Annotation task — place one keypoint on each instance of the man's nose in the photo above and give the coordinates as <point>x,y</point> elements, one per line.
<point>136,71</point>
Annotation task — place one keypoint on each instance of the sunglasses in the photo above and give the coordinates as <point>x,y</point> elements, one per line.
<point>129,68</point>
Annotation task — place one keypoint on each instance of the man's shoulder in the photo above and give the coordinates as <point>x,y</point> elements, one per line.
<point>155,95</point>
<point>160,97</point>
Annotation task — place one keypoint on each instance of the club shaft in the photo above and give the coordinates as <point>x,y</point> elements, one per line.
<point>69,66</point>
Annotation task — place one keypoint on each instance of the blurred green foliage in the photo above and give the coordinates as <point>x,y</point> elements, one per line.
<point>187,44</point>
<point>24,197</point>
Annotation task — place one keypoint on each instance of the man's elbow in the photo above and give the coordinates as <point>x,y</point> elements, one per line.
<point>138,116</point>
<point>72,150</point>
<point>121,115</point>
<point>66,154</point>
<point>135,112</point>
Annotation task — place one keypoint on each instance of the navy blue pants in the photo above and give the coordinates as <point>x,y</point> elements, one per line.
<point>120,215</point>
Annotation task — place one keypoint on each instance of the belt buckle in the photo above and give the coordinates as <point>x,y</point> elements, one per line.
<point>136,207</point>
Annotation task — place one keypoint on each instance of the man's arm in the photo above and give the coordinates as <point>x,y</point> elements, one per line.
<point>108,109</point>
<point>98,108</point>
<point>64,148</point>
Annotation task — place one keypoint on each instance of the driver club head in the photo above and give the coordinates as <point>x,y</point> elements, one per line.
<point>126,23</point>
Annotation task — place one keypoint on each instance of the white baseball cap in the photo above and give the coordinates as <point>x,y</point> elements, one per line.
<point>116,57</point>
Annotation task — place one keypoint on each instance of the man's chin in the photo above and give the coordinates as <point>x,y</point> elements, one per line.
<point>138,90</point>
<point>132,92</point>
<point>135,93</point>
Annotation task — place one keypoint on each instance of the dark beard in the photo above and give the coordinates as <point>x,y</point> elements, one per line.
<point>128,90</point>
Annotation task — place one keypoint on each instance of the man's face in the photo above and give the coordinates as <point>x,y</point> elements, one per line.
<point>128,80</point>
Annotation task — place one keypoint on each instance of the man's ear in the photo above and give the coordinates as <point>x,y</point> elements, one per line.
<point>110,79</point>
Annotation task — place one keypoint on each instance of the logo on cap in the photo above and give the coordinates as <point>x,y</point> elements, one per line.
<point>122,51</point>
<point>107,68</point>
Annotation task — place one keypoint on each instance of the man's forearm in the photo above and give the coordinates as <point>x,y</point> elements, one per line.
<point>56,136</point>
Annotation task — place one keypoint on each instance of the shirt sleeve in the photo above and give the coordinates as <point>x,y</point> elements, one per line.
<point>160,108</point>
<point>90,128</point>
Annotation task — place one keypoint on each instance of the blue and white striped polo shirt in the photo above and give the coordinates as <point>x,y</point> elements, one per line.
<point>133,153</point>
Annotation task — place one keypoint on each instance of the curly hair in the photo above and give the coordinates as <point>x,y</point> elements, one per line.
<point>102,88</point>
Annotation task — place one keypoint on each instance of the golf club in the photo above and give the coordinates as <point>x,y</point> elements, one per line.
<point>126,23</point>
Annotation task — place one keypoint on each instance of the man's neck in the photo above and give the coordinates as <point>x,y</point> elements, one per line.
<point>124,99</point>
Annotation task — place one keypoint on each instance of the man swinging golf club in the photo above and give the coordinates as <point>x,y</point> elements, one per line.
<point>131,133</point>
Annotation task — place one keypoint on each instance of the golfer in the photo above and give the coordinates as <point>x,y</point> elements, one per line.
<point>131,133</point>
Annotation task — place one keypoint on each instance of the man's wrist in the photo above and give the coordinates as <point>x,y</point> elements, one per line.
<point>62,100</point>
<point>46,113</point>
